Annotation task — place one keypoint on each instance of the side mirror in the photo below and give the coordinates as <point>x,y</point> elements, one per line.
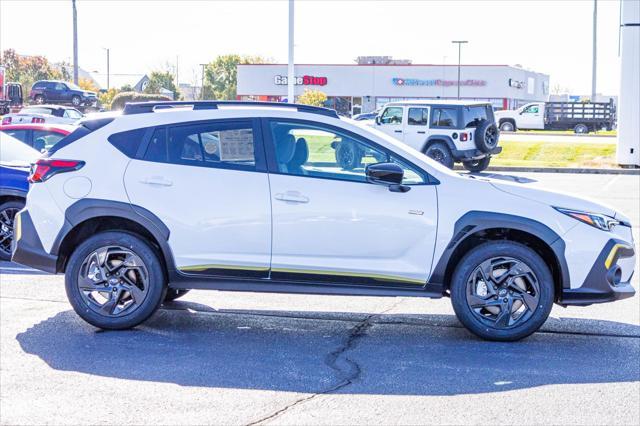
<point>389,174</point>
<point>378,120</point>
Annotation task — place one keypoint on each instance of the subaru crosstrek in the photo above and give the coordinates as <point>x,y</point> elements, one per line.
<point>139,208</point>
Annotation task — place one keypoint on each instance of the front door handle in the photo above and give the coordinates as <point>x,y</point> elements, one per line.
<point>421,132</point>
<point>292,197</point>
<point>398,131</point>
<point>156,181</point>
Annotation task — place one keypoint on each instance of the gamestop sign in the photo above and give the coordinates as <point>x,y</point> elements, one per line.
<point>305,80</point>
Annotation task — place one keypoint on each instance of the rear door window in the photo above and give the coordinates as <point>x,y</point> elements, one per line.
<point>418,116</point>
<point>215,144</point>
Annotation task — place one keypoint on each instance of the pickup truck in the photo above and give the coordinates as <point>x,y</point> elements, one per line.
<point>10,95</point>
<point>581,117</point>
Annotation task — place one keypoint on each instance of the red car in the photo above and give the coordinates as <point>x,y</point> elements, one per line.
<point>38,136</point>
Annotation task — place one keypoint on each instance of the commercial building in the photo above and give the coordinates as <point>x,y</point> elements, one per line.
<point>364,87</point>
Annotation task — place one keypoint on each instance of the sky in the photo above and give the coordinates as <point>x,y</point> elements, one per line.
<point>548,36</point>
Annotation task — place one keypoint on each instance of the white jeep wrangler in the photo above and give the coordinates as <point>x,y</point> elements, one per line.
<point>447,131</point>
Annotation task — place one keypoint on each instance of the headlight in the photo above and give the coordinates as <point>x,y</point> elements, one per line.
<point>600,221</point>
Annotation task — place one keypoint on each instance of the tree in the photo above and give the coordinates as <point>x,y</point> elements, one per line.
<point>312,97</point>
<point>26,70</point>
<point>221,75</point>
<point>87,84</point>
<point>162,80</point>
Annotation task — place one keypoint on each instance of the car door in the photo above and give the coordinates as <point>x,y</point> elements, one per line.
<point>390,121</point>
<point>531,117</point>
<point>331,225</point>
<point>415,129</point>
<point>207,182</point>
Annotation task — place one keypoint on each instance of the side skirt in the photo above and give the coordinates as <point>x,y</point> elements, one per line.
<point>179,281</point>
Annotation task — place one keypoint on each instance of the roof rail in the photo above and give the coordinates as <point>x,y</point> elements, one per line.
<point>146,107</point>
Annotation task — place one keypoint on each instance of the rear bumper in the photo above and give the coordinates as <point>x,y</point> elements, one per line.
<point>474,154</point>
<point>601,284</point>
<point>27,247</point>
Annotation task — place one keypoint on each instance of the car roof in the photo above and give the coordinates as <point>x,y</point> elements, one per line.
<point>452,102</point>
<point>59,128</point>
<point>49,106</point>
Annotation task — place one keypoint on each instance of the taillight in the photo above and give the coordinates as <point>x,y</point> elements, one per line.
<point>463,137</point>
<point>44,168</point>
<point>37,120</point>
<point>6,120</point>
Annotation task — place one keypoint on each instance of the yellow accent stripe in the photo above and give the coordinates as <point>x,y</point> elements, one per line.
<point>613,252</point>
<point>351,274</point>
<point>198,268</point>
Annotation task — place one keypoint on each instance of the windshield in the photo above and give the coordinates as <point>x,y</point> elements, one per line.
<point>73,86</point>
<point>402,149</point>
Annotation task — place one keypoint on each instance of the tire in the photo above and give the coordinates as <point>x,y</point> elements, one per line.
<point>477,166</point>
<point>39,99</point>
<point>8,212</point>
<point>486,136</point>
<point>441,153</point>
<point>348,155</point>
<point>581,128</point>
<point>507,126</point>
<point>173,294</point>
<point>94,266</point>
<point>485,314</point>
<point>75,101</point>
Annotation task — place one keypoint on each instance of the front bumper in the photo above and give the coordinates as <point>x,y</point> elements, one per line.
<point>474,154</point>
<point>603,281</point>
<point>27,247</point>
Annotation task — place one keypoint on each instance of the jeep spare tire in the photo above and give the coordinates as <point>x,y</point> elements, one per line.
<point>486,136</point>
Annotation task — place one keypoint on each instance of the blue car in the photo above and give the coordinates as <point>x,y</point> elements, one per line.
<point>14,170</point>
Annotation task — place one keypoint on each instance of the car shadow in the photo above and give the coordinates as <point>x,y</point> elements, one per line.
<point>501,176</point>
<point>315,352</point>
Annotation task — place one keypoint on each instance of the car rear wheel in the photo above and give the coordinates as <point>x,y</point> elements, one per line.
<point>8,212</point>
<point>477,166</point>
<point>581,128</point>
<point>502,290</point>
<point>348,155</point>
<point>39,99</point>
<point>173,294</point>
<point>441,153</point>
<point>114,280</point>
<point>507,126</point>
<point>75,101</point>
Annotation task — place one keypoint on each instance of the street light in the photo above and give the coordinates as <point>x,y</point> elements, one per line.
<point>459,43</point>
<point>202,88</point>
<point>107,49</point>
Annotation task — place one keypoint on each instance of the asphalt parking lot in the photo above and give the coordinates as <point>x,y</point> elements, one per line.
<point>246,358</point>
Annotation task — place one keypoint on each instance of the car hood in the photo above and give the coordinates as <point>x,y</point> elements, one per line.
<point>554,198</point>
<point>87,93</point>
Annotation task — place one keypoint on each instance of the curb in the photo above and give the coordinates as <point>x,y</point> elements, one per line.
<point>631,172</point>
<point>590,135</point>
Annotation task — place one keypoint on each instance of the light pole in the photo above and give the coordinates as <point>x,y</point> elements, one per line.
<point>290,70</point>
<point>459,43</point>
<point>75,42</point>
<point>595,51</point>
<point>108,73</point>
<point>202,88</point>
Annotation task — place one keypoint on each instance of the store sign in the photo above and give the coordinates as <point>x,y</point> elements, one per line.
<point>515,83</point>
<point>305,80</point>
<point>437,82</point>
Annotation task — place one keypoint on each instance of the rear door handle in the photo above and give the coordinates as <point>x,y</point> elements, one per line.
<point>292,197</point>
<point>421,132</point>
<point>156,181</point>
<point>398,131</point>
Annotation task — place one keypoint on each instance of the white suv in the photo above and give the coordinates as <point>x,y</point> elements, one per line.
<point>137,209</point>
<point>447,131</point>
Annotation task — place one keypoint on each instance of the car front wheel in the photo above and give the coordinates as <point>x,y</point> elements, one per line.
<point>476,166</point>
<point>76,101</point>
<point>8,212</point>
<point>502,290</point>
<point>114,280</point>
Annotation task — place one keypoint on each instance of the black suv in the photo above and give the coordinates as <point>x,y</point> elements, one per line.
<point>61,92</point>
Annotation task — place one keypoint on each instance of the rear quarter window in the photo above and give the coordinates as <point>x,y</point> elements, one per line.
<point>128,142</point>
<point>473,115</point>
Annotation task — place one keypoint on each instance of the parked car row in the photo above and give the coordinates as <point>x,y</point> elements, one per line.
<point>118,207</point>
